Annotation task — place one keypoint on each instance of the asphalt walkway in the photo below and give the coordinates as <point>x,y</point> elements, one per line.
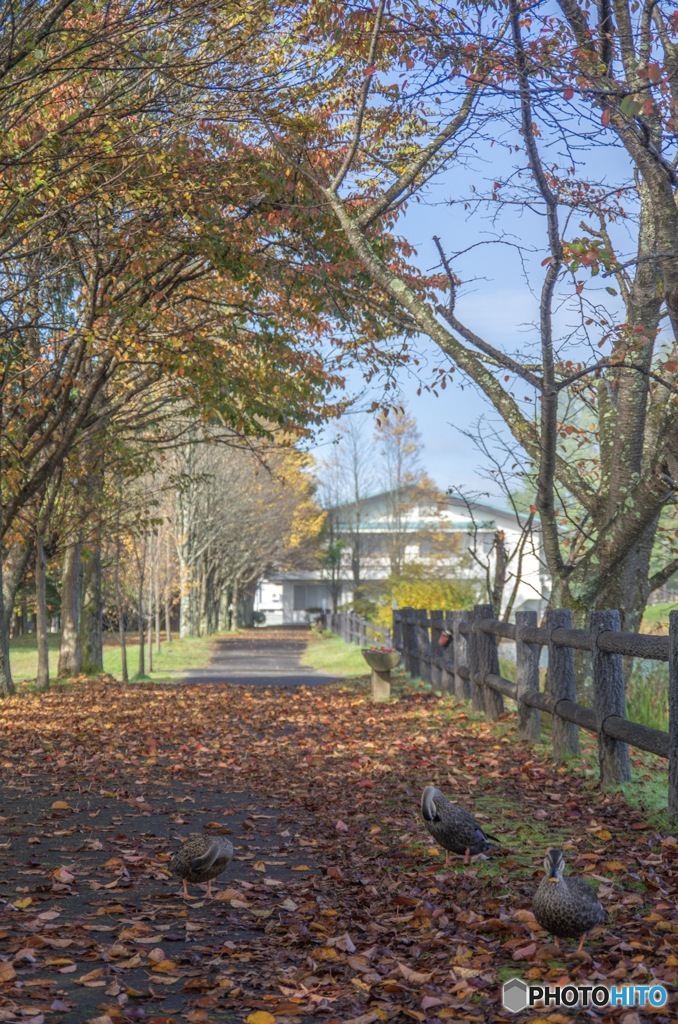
<point>260,657</point>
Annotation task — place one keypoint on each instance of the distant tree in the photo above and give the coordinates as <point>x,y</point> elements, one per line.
<point>347,477</point>
<point>405,483</point>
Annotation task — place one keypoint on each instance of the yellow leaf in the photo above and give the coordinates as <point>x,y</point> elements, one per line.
<point>60,805</point>
<point>165,967</point>
<point>259,866</point>
<point>22,904</point>
<point>614,865</point>
<point>325,953</point>
<point>260,1017</point>
<point>7,972</point>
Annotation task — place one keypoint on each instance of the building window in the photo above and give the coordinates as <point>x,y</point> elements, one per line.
<point>309,595</point>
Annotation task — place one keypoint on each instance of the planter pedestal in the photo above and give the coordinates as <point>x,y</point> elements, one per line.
<point>381,686</point>
<point>381,663</point>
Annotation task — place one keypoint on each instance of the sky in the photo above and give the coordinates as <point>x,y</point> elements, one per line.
<point>498,307</point>
<point>496,302</point>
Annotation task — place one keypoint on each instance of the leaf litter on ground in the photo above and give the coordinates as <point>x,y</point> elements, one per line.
<point>336,907</point>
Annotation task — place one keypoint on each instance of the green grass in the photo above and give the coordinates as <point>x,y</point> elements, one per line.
<point>647,694</point>
<point>23,656</point>
<point>174,658</point>
<point>329,653</point>
<point>658,615</point>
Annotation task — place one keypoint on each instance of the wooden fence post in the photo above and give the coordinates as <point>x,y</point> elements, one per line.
<point>673,716</point>
<point>447,656</point>
<point>423,644</point>
<point>561,685</point>
<point>362,637</point>
<point>409,644</point>
<point>488,663</point>
<point>609,699</point>
<point>463,688</point>
<point>527,678</point>
<point>477,695</point>
<point>437,682</point>
<point>397,630</point>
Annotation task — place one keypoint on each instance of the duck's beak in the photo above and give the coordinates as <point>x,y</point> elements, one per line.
<point>553,878</point>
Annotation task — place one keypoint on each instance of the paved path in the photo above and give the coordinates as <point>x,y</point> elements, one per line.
<point>260,657</point>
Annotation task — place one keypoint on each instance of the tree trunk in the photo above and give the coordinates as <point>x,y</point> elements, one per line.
<point>91,626</point>
<point>121,614</point>
<point>235,601</point>
<point>150,603</point>
<point>156,594</point>
<point>23,614</point>
<point>185,597</point>
<point>141,563</point>
<point>42,679</point>
<point>69,652</point>
<point>7,687</point>
<point>168,620</point>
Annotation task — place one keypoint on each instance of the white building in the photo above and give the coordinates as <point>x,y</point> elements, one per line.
<point>433,529</point>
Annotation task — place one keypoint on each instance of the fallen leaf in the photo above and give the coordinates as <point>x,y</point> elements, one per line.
<point>525,952</point>
<point>415,977</point>
<point>7,972</point>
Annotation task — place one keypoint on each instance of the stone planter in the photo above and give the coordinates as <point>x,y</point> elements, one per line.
<point>381,663</point>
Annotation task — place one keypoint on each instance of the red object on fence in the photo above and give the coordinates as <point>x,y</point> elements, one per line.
<point>444,638</point>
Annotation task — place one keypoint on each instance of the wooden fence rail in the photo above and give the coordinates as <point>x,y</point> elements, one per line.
<point>355,630</point>
<point>468,668</point>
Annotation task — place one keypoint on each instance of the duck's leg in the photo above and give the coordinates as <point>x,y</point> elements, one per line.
<point>580,947</point>
<point>467,856</point>
<point>447,858</point>
<point>209,889</point>
<point>185,890</point>
<point>555,942</point>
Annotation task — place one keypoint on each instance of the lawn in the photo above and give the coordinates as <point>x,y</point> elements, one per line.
<point>656,617</point>
<point>174,658</point>
<point>329,653</point>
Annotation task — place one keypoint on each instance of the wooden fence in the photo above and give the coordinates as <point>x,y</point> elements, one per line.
<point>356,630</point>
<point>468,667</point>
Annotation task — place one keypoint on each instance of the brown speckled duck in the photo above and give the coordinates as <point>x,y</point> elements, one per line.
<point>566,907</point>
<point>452,827</point>
<point>201,859</point>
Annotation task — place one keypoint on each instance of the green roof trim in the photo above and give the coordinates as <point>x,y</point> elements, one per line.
<point>383,526</point>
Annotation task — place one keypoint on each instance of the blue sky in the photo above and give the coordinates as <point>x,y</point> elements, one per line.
<point>495,300</point>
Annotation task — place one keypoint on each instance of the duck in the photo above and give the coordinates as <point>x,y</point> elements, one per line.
<point>200,859</point>
<point>453,827</point>
<point>568,908</point>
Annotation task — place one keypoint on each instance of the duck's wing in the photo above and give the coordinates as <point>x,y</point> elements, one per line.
<point>433,804</point>
<point>587,895</point>
<point>215,851</point>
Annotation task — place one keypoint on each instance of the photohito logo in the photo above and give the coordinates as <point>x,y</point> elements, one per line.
<point>517,995</point>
